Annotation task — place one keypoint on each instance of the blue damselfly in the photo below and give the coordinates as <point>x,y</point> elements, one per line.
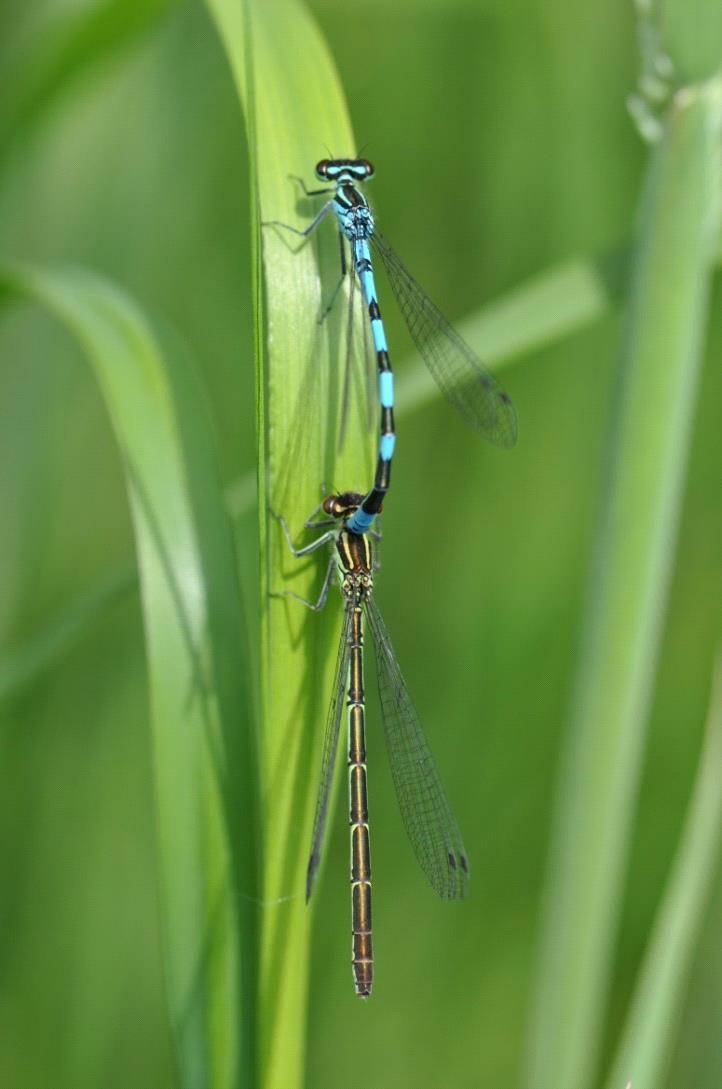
<point>425,810</point>
<point>458,372</point>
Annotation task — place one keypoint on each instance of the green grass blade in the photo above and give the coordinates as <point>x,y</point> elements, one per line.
<point>205,766</point>
<point>650,1031</point>
<point>294,111</point>
<point>627,591</point>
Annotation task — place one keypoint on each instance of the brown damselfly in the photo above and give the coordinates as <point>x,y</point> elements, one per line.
<point>425,810</point>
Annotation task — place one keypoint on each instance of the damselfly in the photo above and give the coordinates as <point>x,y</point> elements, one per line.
<point>425,810</point>
<point>458,372</point>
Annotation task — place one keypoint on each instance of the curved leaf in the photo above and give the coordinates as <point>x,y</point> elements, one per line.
<point>205,766</point>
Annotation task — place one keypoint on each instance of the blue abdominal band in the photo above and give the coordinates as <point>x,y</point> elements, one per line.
<point>360,521</point>
<point>377,331</point>
<point>386,447</point>
<point>386,389</point>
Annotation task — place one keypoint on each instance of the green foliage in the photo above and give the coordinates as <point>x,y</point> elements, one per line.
<point>650,1033</point>
<point>628,583</point>
<point>204,759</point>
<point>500,151</point>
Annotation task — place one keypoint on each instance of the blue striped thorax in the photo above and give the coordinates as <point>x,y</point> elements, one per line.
<point>355,221</point>
<point>350,205</point>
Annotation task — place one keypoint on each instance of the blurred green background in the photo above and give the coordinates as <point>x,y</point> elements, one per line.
<point>508,125</point>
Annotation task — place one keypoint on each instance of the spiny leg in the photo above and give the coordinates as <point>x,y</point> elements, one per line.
<point>314,546</point>
<point>326,208</point>
<point>334,294</point>
<point>299,553</point>
<point>310,192</point>
<point>316,606</point>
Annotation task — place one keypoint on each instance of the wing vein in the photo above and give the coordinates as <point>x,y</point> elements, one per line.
<point>330,748</point>
<point>459,373</point>
<point>425,809</point>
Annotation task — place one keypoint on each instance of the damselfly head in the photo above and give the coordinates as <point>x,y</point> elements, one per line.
<point>344,170</point>
<point>343,504</point>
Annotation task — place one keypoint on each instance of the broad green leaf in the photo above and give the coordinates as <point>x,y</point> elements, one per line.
<point>205,763</point>
<point>294,111</point>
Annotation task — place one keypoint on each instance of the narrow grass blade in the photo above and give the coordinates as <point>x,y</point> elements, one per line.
<point>294,111</point>
<point>627,591</point>
<point>649,1034</point>
<point>205,765</point>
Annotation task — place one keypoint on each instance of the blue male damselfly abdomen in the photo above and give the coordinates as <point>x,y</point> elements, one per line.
<point>458,372</point>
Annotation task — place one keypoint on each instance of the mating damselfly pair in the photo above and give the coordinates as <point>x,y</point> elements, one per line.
<point>348,527</point>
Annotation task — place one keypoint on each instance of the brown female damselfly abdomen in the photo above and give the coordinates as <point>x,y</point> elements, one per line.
<point>426,813</point>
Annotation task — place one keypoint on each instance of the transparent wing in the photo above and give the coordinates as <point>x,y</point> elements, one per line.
<point>357,343</point>
<point>425,809</point>
<point>369,357</point>
<point>348,366</point>
<point>456,369</point>
<point>328,760</point>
